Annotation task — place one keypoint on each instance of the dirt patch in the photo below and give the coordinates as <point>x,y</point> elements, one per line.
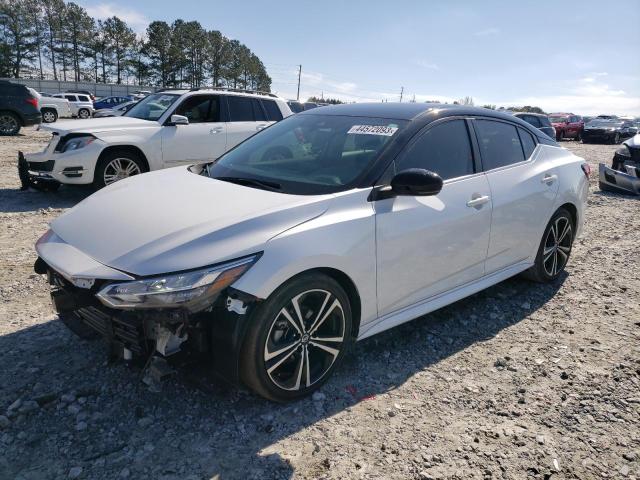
<point>520,380</point>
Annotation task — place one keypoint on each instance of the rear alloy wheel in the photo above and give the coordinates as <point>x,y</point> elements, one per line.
<point>49,116</point>
<point>555,248</point>
<point>9,124</point>
<point>84,113</point>
<point>298,337</point>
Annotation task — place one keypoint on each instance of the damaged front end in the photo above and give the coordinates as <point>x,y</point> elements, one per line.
<point>624,174</point>
<point>183,318</point>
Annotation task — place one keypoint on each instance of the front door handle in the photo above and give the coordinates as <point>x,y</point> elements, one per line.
<point>215,130</point>
<point>478,201</point>
<point>549,179</point>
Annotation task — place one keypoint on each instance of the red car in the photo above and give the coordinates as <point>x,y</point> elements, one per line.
<point>567,125</point>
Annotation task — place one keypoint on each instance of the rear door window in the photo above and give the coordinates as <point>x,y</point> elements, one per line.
<point>273,112</point>
<point>71,98</point>
<point>499,144</point>
<point>240,109</point>
<point>258,112</point>
<point>444,149</point>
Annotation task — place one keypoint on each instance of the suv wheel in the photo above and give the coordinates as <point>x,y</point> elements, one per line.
<point>554,249</point>
<point>9,123</point>
<point>560,136</point>
<point>49,115</point>
<point>297,338</point>
<point>117,165</point>
<point>84,113</point>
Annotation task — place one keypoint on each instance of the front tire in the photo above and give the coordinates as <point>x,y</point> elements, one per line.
<point>117,165</point>
<point>297,338</point>
<point>555,248</point>
<point>9,124</point>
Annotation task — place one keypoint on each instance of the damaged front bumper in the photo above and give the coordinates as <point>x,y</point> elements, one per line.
<point>626,180</point>
<point>212,336</point>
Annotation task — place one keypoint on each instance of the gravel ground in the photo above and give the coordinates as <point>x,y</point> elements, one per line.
<point>521,380</point>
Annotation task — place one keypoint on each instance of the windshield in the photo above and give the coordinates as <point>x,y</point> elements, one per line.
<point>558,119</point>
<point>307,154</point>
<point>153,106</point>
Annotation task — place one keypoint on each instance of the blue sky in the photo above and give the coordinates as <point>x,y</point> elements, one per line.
<point>582,58</point>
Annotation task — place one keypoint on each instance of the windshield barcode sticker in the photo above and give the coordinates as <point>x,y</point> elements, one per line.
<point>373,130</point>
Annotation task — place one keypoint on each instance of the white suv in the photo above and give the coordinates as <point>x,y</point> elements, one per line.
<point>165,129</point>
<point>80,103</point>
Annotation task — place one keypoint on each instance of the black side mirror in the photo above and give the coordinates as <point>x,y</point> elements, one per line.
<point>416,182</point>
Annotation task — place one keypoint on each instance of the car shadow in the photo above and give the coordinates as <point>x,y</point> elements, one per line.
<point>203,428</point>
<point>14,200</point>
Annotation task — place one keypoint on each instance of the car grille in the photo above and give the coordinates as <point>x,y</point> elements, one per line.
<point>42,166</point>
<point>596,131</point>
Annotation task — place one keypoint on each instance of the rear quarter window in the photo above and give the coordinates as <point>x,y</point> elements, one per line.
<point>528,142</point>
<point>83,98</point>
<point>273,111</point>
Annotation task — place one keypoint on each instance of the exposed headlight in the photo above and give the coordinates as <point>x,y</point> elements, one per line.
<point>77,143</point>
<point>194,290</point>
<point>623,151</point>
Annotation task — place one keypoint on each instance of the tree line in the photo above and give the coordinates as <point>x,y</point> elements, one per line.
<point>60,40</point>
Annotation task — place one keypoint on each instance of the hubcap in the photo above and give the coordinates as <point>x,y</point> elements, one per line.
<point>120,168</point>
<point>8,124</point>
<point>304,340</point>
<point>557,246</point>
<point>48,117</point>
<point>84,114</point>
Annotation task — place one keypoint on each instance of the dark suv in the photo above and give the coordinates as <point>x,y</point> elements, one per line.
<point>18,108</point>
<point>541,122</point>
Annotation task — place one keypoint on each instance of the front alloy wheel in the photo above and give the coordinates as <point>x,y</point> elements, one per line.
<point>119,169</point>
<point>299,336</point>
<point>84,114</point>
<point>9,124</point>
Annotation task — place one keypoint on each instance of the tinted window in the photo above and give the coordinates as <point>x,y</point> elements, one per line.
<point>83,98</point>
<point>545,121</point>
<point>71,98</point>
<point>499,144</point>
<point>240,109</point>
<point>258,112</point>
<point>273,112</point>
<point>200,108</point>
<point>443,149</point>
<point>532,120</point>
<point>528,144</point>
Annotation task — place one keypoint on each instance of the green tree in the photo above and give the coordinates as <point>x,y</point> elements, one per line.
<point>158,50</point>
<point>18,35</point>
<point>120,39</point>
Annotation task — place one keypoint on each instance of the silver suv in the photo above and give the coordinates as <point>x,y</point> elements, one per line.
<point>80,103</point>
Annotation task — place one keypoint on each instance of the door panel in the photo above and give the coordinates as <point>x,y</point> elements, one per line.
<point>428,245</point>
<point>523,196</point>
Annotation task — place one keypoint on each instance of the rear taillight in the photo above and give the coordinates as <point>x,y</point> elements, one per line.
<point>32,101</point>
<point>586,168</point>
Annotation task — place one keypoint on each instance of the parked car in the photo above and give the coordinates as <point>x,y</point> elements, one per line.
<point>110,102</point>
<point>370,215</point>
<point>140,94</point>
<point>540,121</point>
<point>18,108</point>
<point>310,105</point>
<point>116,111</point>
<point>81,104</point>
<point>53,108</point>
<point>624,174</point>
<point>163,130</point>
<point>91,95</point>
<point>295,106</point>
<point>607,131</point>
<point>567,125</point>
<point>607,117</point>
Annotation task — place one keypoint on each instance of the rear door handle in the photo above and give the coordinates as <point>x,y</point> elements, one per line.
<point>549,179</point>
<point>215,130</point>
<point>478,201</point>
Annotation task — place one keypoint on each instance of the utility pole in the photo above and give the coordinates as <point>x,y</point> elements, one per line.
<point>401,92</point>
<point>299,75</point>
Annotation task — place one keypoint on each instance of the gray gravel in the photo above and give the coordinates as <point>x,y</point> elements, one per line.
<point>518,381</point>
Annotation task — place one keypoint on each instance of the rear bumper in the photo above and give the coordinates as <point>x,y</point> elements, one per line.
<point>31,119</point>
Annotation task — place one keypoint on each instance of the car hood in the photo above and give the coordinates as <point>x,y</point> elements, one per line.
<point>97,125</point>
<point>633,142</point>
<point>173,220</point>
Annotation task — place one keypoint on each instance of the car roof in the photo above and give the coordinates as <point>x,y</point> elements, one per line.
<point>404,111</point>
<point>223,91</point>
<point>530,113</point>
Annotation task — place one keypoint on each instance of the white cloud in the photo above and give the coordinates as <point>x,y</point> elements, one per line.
<point>136,20</point>
<point>487,32</point>
<point>426,64</point>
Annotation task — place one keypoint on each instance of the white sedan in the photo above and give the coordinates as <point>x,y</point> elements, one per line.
<point>328,227</point>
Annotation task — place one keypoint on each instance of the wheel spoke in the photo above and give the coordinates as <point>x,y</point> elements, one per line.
<point>563,257</point>
<point>290,320</point>
<point>308,365</point>
<point>300,368</point>
<point>555,263</point>
<point>269,355</point>
<point>567,229</point>
<point>564,249</point>
<point>332,351</point>
<point>319,321</point>
<point>280,362</point>
<point>296,307</point>
<point>327,339</point>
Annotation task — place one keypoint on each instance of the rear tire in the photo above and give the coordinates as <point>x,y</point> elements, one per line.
<point>560,136</point>
<point>9,124</point>
<point>296,338</point>
<point>555,248</point>
<point>49,115</point>
<point>117,165</point>
<point>83,113</point>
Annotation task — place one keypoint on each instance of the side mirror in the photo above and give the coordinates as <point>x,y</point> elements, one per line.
<point>416,182</point>
<point>178,120</point>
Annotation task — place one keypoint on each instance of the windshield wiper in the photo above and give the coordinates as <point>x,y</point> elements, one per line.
<point>264,184</point>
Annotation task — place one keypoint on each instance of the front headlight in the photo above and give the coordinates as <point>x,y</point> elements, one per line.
<point>623,151</point>
<point>194,290</point>
<point>77,143</point>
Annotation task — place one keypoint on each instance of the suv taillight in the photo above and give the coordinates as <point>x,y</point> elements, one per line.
<point>32,101</point>
<point>586,168</point>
